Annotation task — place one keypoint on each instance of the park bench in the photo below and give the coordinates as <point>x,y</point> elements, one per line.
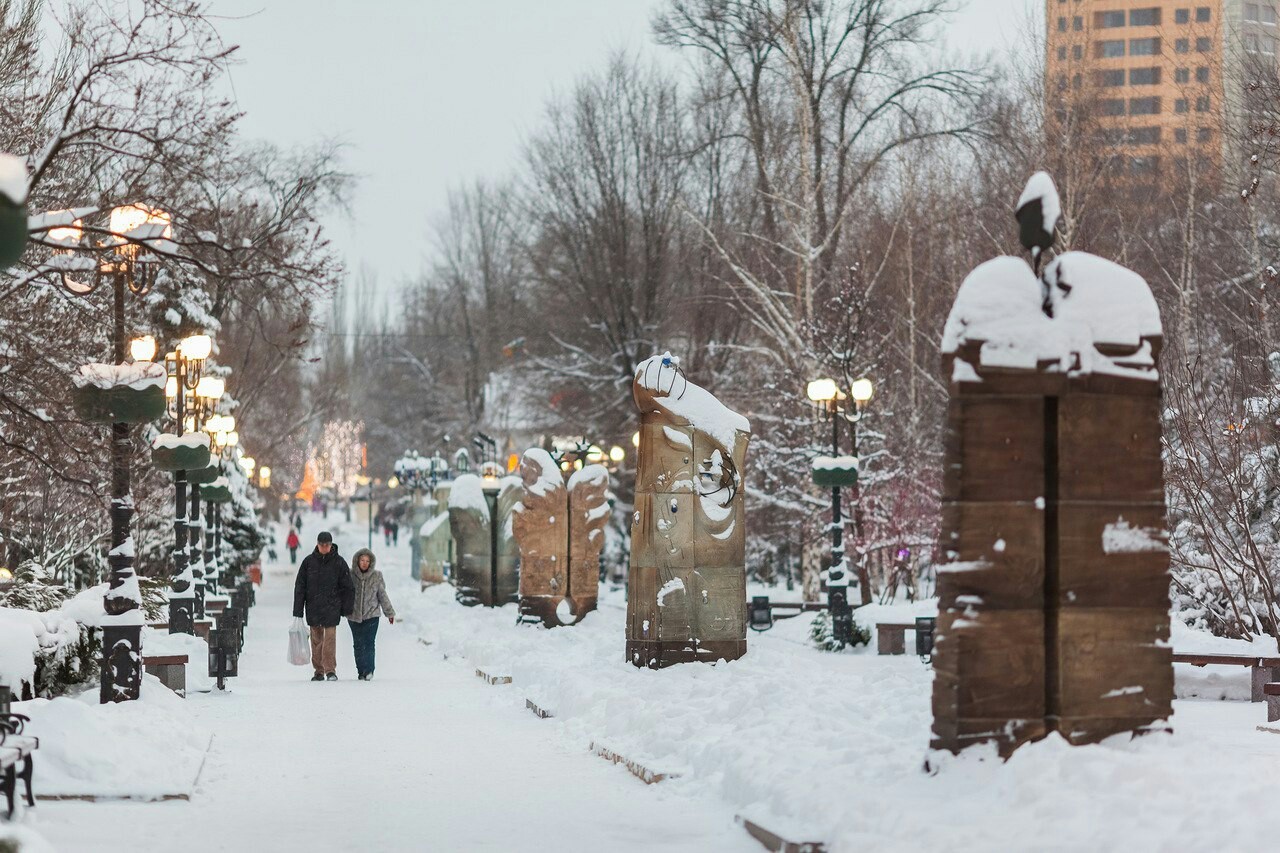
<point>891,637</point>
<point>1263,670</point>
<point>170,669</point>
<point>15,748</point>
<point>1272,693</point>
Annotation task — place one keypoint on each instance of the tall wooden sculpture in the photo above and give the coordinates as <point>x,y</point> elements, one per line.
<point>436,537</point>
<point>560,531</point>
<point>687,587</point>
<point>487,569</point>
<point>1053,609</point>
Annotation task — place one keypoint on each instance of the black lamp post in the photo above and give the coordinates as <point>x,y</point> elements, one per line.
<point>191,401</point>
<point>837,473</point>
<point>125,258</point>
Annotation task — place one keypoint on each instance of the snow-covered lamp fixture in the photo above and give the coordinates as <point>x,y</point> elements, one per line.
<point>823,390</point>
<point>233,438</point>
<point>143,348</point>
<point>1038,212</point>
<point>13,208</point>
<point>862,391</point>
<point>248,463</point>
<point>210,388</point>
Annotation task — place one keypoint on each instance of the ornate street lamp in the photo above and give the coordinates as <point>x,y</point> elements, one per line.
<point>191,400</point>
<point>837,472</point>
<point>124,256</point>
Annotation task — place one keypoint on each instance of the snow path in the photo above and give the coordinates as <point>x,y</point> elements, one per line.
<point>425,757</point>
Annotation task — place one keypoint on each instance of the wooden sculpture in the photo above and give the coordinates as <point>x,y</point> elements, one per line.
<point>436,537</point>
<point>687,586</point>
<point>487,569</point>
<point>1054,603</point>
<point>560,531</point>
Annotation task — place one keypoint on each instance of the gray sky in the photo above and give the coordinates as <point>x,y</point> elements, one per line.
<point>429,94</point>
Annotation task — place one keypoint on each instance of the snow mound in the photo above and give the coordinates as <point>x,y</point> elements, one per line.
<point>1040,186</point>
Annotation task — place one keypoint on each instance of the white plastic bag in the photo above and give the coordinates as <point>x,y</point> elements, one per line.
<point>299,643</point>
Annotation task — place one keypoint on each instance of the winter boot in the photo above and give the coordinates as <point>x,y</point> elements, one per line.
<point>333,676</point>
<point>318,677</point>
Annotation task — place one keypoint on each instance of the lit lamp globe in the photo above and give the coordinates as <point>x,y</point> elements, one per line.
<point>264,476</point>
<point>210,388</point>
<point>617,454</point>
<point>394,482</point>
<point>823,390</point>
<point>143,348</point>
<point>248,463</point>
<point>196,347</point>
<point>635,439</point>
<point>862,390</point>
<point>233,438</point>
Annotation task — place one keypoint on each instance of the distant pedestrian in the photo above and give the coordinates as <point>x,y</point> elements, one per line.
<point>395,533</point>
<point>297,521</point>
<point>371,602</point>
<point>386,533</point>
<point>325,591</point>
<point>292,544</point>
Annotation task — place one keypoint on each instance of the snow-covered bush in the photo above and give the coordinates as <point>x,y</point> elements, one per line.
<point>46,653</point>
<point>33,589</point>
<point>821,636</point>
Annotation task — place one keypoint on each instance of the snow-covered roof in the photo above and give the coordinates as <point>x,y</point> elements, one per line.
<point>1000,304</point>
<point>144,374</point>
<point>670,390</point>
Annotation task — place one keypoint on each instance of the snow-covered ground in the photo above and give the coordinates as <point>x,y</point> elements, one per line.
<point>425,757</point>
<point>815,746</point>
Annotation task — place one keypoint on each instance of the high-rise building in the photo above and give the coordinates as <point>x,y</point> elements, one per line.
<point>1160,82</point>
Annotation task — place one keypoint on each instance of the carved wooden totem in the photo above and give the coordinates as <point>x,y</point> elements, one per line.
<point>687,586</point>
<point>560,531</point>
<point>1053,606</point>
<point>436,537</point>
<point>487,568</point>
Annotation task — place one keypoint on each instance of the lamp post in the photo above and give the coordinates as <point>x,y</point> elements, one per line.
<point>183,367</point>
<point>367,484</point>
<point>827,396</point>
<point>124,257</point>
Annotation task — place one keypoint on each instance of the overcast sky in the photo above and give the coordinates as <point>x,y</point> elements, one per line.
<point>428,94</point>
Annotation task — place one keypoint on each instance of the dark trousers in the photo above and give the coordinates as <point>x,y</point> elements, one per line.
<point>363,635</point>
<point>293,555</point>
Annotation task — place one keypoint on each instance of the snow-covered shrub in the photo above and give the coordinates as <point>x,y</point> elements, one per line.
<point>46,653</point>
<point>33,589</point>
<point>821,636</point>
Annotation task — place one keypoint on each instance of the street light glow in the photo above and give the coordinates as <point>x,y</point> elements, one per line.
<point>143,348</point>
<point>248,463</point>
<point>617,454</point>
<point>823,390</point>
<point>635,439</point>
<point>862,390</point>
<point>393,482</point>
<point>196,347</point>
<point>210,387</point>
<point>125,220</point>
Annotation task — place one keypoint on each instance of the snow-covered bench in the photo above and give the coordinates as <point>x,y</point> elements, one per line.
<point>1272,693</point>
<point>1264,670</point>
<point>16,749</point>
<point>170,669</point>
<point>891,637</point>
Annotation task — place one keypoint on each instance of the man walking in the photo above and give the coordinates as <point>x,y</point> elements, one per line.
<point>325,590</point>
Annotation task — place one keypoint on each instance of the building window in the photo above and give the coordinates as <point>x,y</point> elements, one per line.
<point>1202,74</point>
<point>1144,135</point>
<point>1268,15</point>
<point>1204,134</point>
<point>1144,106</point>
<point>1144,17</point>
<point>1251,11</point>
<point>1182,75</point>
<point>1251,43</point>
<point>1144,165</point>
<point>1202,104</point>
<point>1062,54</point>
<point>1062,82</point>
<point>1062,25</point>
<point>1106,20</point>
<point>1077,51</point>
<point>1202,14</point>
<point>1077,23</point>
<point>1204,45</point>
<point>1182,46</point>
<point>1112,135</point>
<point>1180,105</point>
<point>1110,49</point>
<point>1182,16</point>
<point>1145,47</point>
<point>1112,107</point>
<point>1268,45</point>
<point>1180,135</point>
<point>1111,78</point>
<point>1076,80</point>
<point>1144,76</point>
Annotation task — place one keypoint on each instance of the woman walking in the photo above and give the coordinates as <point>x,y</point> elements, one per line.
<point>292,544</point>
<point>371,602</point>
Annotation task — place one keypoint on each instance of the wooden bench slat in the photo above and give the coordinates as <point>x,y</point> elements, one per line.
<point>164,660</point>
